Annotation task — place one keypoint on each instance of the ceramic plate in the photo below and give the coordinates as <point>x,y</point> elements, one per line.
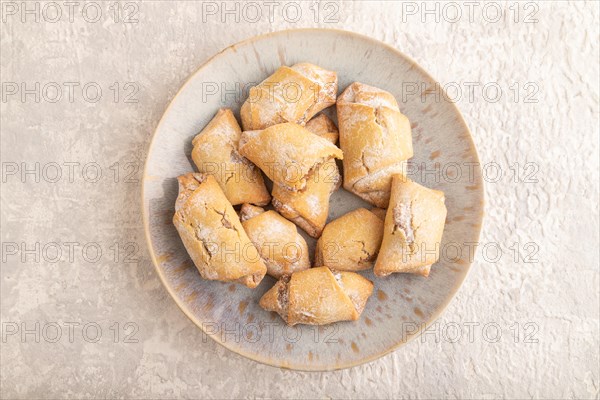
<point>402,305</point>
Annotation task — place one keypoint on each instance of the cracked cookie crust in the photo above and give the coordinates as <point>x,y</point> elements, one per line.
<point>212,233</point>
<point>351,242</point>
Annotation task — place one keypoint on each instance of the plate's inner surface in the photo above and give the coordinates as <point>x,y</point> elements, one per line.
<point>401,304</point>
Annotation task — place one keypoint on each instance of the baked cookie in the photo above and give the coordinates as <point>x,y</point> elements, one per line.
<point>351,242</point>
<point>309,208</point>
<point>376,140</point>
<point>291,94</point>
<point>318,296</point>
<point>281,247</point>
<point>216,153</point>
<point>212,233</point>
<point>287,153</point>
<point>413,229</point>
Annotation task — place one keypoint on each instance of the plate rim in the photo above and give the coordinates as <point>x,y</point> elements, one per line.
<point>273,362</point>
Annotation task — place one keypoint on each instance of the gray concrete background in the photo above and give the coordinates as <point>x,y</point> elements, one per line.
<point>85,316</point>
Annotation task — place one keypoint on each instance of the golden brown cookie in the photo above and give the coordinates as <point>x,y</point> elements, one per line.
<point>309,208</point>
<point>212,233</point>
<point>291,94</point>
<point>287,153</point>
<point>216,153</point>
<point>282,248</point>
<point>376,140</point>
<point>318,296</point>
<point>414,225</point>
<point>351,242</point>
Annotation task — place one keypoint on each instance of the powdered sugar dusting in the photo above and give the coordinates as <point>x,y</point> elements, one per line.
<point>403,221</point>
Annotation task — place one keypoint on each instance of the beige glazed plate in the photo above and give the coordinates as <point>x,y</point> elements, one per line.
<point>402,305</point>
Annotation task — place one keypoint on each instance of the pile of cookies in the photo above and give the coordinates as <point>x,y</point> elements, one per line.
<point>284,139</point>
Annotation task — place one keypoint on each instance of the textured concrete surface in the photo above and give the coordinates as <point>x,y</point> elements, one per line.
<point>84,324</point>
